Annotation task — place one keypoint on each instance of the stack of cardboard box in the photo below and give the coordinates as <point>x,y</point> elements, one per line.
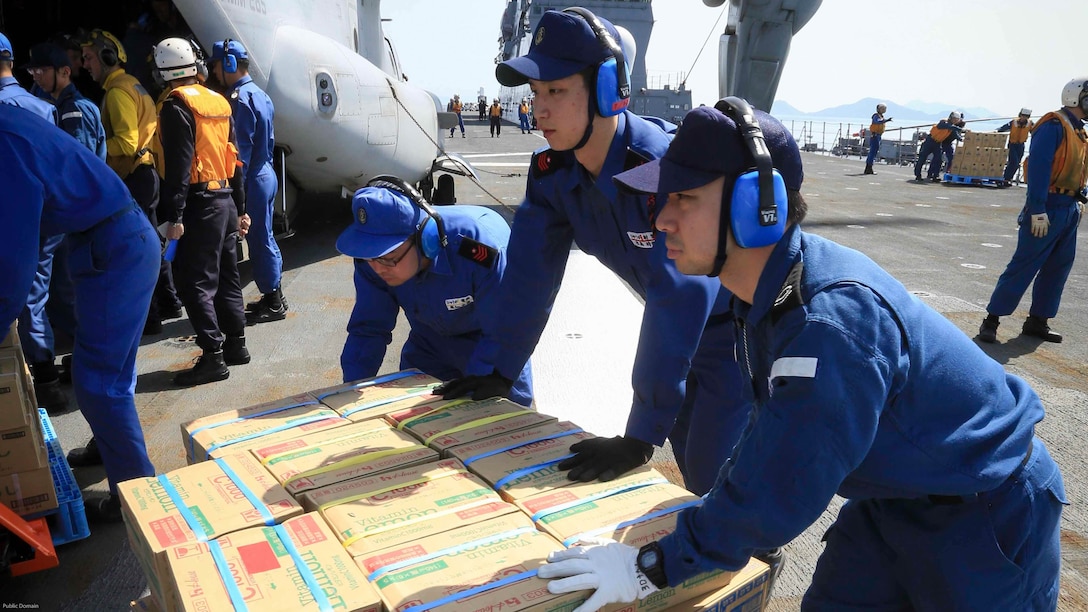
<point>432,505</point>
<point>981,155</point>
<point>26,485</point>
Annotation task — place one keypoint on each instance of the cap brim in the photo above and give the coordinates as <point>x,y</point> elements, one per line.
<point>536,67</point>
<point>361,245</point>
<point>663,176</point>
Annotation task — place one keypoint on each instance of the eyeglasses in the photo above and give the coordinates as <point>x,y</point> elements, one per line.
<point>38,71</point>
<point>391,262</point>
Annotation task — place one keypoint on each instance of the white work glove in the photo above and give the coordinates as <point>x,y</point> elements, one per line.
<point>1040,225</point>
<point>597,563</point>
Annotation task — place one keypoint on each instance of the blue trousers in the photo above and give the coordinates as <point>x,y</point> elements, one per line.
<point>460,122</point>
<point>263,250</point>
<point>1045,260</point>
<point>949,153</point>
<point>929,147</point>
<point>61,307</point>
<point>523,118</point>
<point>446,358</point>
<point>35,332</point>
<point>114,269</point>
<point>874,148</point>
<point>1016,153</point>
<point>999,551</point>
<point>713,415</point>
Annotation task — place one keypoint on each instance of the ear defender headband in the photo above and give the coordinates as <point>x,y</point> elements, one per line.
<point>230,63</point>
<point>613,89</point>
<point>757,207</point>
<point>110,50</point>
<point>431,233</point>
<point>198,57</point>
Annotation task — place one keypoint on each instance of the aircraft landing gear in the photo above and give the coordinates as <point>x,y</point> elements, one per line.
<point>444,192</point>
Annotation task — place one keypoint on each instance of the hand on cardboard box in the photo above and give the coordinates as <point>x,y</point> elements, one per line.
<point>606,458</point>
<point>601,564</point>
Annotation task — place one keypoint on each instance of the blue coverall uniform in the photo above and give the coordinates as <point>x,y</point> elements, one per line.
<point>686,340</point>
<point>253,113</point>
<point>860,389</point>
<point>114,262</point>
<point>874,140</point>
<point>51,302</point>
<point>446,306</point>
<point>930,146</point>
<point>1016,153</point>
<point>1047,260</point>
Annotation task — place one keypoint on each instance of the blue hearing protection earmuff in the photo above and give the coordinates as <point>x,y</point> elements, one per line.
<point>230,63</point>
<point>613,76</point>
<point>431,232</point>
<point>757,206</point>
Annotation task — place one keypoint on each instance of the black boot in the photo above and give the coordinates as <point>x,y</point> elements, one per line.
<point>209,367</point>
<point>47,386</point>
<point>235,351</point>
<point>987,332</point>
<point>1037,327</point>
<point>272,307</point>
<point>65,371</point>
<point>776,558</point>
<point>868,169</point>
<point>85,456</point>
<point>104,509</point>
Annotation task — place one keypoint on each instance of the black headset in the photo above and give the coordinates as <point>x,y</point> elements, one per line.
<point>109,48</point>
<point>755,210</point>
<point>612,84</point>
<point>431,232</point>
<point>230,63</point>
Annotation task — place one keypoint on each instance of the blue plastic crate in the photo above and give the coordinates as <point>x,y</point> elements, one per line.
<point>68,522</point>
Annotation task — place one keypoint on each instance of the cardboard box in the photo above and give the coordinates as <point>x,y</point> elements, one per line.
<point>213,499</point>
<point>442,426</point>
<point>28,492</point>
<point>395,507</point>
<point>16,406</point>
<point>451,563</point>
<point>11,337</point>
<point>523,463</point>
<point>579,510</point>
<point>327,457</point>
<point>235,431</point>
<point>273,569</point>
<point>374,397</point>
<point>746,592</point>
<point>22,450</point>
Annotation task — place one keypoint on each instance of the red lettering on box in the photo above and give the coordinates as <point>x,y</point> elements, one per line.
<point>480,510</point>
<point>168,532</point>
<point>549,501</point>
<point>305,531</point>
<point>379,561</point>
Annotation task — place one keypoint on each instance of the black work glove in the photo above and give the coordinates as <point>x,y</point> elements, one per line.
<point>606,458</point>
<point>481,387</point>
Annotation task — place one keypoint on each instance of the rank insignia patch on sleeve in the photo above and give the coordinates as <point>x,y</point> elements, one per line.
<point>477,252</point>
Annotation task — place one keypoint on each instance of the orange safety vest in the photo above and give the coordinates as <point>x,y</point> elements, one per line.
<point>215,157</point>
<point>457,107</point>
<point>1070,170</point>
<point>523,109</point>
<point>940,135</point>
<point>496,110</point>
<point>1018,134</point>
<point>147,121</point>
<point>877,128</point>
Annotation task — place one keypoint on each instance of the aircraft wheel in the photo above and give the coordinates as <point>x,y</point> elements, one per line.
<point>444,192</point>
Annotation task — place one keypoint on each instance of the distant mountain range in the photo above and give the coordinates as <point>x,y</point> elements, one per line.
<point>863,109</point>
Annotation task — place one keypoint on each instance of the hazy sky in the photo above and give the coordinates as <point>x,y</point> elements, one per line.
<point>998,54</point>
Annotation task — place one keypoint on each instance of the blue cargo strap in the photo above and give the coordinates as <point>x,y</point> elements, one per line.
<point>483,588</point>
<point>492,453</point>
<point>599,495</point>
<point>313,418</point>
<point>641,519</point>
<point>370,383</point>
<point>236,598</point>
<point>250,495</point>
<point>307,576</point>
<point>192,434</point>
<point>452,550</point>
<point>529,470</point>
<point>190,520</point>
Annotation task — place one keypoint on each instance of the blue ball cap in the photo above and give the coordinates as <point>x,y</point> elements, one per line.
<point>48,55</point>
<point>383,220</point>
<point>563,44</point>
<point>233,47</point>
<point>7,54</point>
<point>707,146</point>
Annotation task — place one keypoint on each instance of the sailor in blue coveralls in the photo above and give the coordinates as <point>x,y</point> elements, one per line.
<point>685,380</point>
<point>859,389</point>
<point>938,143</point>
<point>51,303</point>
<point>253,113</point>
<point>1047,241</point>
<point>114,263</point>
<point>446,289</point>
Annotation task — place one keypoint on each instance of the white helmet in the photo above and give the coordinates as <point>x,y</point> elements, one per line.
<point>880,108</point>
<point>953,116</point>
<point>1025,111</point>
<point>176,59</point>
<point>1075,91</point>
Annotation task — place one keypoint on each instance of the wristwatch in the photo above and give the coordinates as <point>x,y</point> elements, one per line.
<point>651,562</point>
